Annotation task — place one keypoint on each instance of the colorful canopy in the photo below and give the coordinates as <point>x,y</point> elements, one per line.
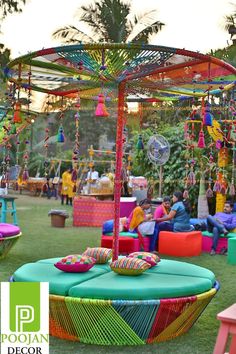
<point>152,71</point>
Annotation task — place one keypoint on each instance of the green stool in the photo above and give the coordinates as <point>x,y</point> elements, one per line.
<point>4,210</point>
<point>231,258</point>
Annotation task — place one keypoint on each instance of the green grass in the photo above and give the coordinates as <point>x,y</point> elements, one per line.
<point>40,241</point>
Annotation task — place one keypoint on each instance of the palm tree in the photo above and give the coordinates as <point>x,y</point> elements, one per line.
<point>110,21</point>
<point>230,25</point>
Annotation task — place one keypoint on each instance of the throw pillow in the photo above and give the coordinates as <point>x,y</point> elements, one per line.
<point>76,263</point>
<point>101,254</point>
<point>148,257</point>
<point>129,266</point>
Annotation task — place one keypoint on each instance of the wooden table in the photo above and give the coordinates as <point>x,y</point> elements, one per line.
<point>99,196</point>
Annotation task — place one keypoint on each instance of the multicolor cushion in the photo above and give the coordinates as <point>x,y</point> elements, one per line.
<point>102,255</point>
<point>148,257</point>
<point>75,263</point>
<point>129,266</point>
<point>8,230</point>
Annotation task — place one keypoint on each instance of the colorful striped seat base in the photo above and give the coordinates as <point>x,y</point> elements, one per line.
<point>102,307</point>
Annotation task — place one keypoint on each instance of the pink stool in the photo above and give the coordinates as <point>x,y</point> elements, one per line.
<point>228,326</point>
<point>207,243</point>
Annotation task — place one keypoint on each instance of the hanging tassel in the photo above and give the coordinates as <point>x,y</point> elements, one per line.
<point>209,192</point>
<point>13,129</point>
<point>217,187</point>
<point>223,189</point>
<point>208,119</point>
<point>101,110</point>
<point>25,175</point>
<point>185,194</point>
<point>201,140</point>
<point>61,136</point>
<point>232,189</point>
<point>74,175</point>
<point>191,178</point>
<point>140,145</point>
<point>186,132</point>
<point>17,115</point>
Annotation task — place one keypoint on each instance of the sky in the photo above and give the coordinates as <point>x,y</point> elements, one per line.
<point>196,25</point>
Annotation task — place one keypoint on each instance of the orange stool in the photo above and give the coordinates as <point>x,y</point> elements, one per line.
<point>180,244</point>
<point>228,326</point>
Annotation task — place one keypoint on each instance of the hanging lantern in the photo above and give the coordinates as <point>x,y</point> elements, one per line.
<point>140,145</point>
<point>101,110</point>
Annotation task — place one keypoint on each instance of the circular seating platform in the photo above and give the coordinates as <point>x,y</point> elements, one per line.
<point>102,307</point>
<point>9,235</point>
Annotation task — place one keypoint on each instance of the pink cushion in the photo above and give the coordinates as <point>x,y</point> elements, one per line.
<point>9,230</point>
<point>74,268</point>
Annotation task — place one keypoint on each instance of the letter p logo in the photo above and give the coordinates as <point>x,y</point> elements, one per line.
<point>24,314</point>
<point>24,307</point>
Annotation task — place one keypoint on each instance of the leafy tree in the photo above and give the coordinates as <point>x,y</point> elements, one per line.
<point>10,6</point>
<point>111,21</point>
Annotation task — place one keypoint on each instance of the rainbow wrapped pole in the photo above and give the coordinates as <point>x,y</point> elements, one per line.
<point>117,182</point>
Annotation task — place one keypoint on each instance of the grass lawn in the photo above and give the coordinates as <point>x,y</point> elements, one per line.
<point>40,241</point>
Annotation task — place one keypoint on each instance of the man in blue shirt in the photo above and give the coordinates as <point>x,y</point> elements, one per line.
<point>221,223</point>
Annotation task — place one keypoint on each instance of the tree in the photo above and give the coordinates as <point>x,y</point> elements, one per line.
<point>111,21</point>
<point>10,6</point>
<point>230,25</point>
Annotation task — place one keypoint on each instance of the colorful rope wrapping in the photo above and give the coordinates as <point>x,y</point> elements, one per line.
<point>120,322</point>
<point>6,243</point>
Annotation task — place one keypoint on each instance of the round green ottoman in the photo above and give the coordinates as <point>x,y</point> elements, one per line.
<point>102,307</point>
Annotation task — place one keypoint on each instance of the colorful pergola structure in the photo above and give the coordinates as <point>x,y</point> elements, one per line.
<point>117,71</point>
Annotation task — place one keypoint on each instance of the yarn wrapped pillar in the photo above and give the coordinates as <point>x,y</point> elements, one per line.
<point>202,209</point>
<point>117,181</point>
<point>101,110</point>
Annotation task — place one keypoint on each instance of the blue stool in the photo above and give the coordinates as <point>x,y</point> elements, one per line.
<point>4,210</point>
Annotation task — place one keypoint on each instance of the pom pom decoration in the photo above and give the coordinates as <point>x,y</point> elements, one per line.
<point>101,110</point>
<point>60,136</point>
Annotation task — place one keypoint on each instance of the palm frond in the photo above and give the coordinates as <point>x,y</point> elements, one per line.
<point>71,34</point>
<point>143,26</point>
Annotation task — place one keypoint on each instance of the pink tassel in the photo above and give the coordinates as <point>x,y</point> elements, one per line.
<point>25,175</point>
<point>201,140</point>
<point>101,110</point>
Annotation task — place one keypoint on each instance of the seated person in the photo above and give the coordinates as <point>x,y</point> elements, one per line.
<point>221,223</point>
<point>47,191</point>
<point>178,219</point>
<point>140,221</point>
<point>162,209</point>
